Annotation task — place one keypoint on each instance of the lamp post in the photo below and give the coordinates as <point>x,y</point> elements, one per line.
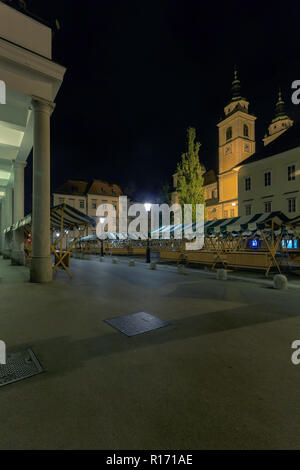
<point>148,254</point>
<point>102,220</point>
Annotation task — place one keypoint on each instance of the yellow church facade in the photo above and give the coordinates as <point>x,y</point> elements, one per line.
<point>236,144</point>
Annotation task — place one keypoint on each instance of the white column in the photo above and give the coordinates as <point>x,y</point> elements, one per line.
<point>18,256</point>
<point>2,223</point>
<point>41,266</point>
<point>8,221</point>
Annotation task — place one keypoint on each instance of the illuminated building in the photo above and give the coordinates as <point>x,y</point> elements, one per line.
<point>250,181</point>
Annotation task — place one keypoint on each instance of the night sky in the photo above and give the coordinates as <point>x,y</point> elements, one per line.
<point>140,72</point>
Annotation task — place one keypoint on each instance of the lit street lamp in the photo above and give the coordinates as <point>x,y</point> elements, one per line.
<point>148,254</point>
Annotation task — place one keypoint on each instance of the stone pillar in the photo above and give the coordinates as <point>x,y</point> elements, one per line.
<point>18,256</point>
<point>8,221</point>
<point>41,265</point>
<point>2,224</point>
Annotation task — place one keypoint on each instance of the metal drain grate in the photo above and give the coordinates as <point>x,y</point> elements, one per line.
<point>136,323</point>
<point>19,365</point>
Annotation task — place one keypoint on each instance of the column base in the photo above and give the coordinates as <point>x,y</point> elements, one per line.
<point>6,254</point>
<point>18,258</point>
<point>41,269</point>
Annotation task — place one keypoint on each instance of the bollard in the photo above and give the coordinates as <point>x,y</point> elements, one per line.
<point>222,274</point>
<point>132,262</point>
<point>181,269</point>
<point>152,265</point>
<point>280,282</point>
<point>101,259</point>
<point>114,260</point>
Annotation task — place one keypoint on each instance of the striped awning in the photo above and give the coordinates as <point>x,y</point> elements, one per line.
<point>246,223</point>
<point>295,222</point>
<point>72,219</point>
<point>249,223</point>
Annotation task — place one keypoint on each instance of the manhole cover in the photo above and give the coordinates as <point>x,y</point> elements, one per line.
<point>19,365</point>
<point>136,323</point>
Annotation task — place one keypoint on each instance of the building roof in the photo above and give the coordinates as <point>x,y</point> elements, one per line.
<point>73,187</point>
<point>104,188</point>
<point>209,177</point>
<point>82,188</point>
<point>288,140</point>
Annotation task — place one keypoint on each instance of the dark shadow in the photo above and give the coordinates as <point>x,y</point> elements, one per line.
<point>60,355</point>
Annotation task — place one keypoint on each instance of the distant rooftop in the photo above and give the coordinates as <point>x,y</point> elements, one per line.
<point>82,188</point>
<point>209,177</point>
<point>288,140</point>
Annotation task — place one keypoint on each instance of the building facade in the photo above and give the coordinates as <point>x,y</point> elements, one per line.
<point>269,180</point>
<point>86,197</point>
<point>248,180</point>
<point>236,143</point>
<point>32,80</point>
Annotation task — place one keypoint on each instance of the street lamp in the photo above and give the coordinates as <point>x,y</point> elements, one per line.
<point>147,206</point>
<point>102,220</point>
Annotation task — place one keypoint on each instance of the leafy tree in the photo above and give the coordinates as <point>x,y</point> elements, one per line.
<point>164,196</point>
<point>189,178</point>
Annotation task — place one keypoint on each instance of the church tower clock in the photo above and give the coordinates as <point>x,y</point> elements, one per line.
<point>236,143</point>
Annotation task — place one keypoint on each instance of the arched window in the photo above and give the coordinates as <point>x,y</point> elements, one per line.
<point>229,133</point>
<point>246,130</point>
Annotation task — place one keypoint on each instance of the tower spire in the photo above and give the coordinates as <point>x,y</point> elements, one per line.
<point>237,101</point>
<point>280,111</point>
<point>236,86</point>
<point>280,123</point>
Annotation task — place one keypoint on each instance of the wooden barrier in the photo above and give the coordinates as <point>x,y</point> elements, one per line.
<point>246,259</point>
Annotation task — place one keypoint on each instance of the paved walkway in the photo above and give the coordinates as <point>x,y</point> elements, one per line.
<point>219,377</point>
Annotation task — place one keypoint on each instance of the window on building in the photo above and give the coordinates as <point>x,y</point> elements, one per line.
<point>292,204</point>
<point>81,204</point>
<point>268,206</point>
<point>94,203</point>
<point>246,130</point>
<point>71,202</point>
<point>229,133</point>
<point>61,200</point>
<point>291,173</point>
<point>248,209</point>
<point>231,212</point>
<point>248,183</point>
<point>94,232</point>
<point>225,214</point>
<point>267,178</point>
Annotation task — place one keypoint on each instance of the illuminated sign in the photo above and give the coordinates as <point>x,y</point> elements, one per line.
<point>289,244</point>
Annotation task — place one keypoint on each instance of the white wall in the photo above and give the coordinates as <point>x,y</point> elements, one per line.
<point>88,209</point>
<point>280,190</point>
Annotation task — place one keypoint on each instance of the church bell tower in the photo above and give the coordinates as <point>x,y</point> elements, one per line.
<point>236,143</point>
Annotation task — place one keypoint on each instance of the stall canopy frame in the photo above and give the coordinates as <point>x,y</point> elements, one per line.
<point>62,217</point>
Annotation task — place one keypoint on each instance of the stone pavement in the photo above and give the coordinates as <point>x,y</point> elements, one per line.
<point>219,377</point>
